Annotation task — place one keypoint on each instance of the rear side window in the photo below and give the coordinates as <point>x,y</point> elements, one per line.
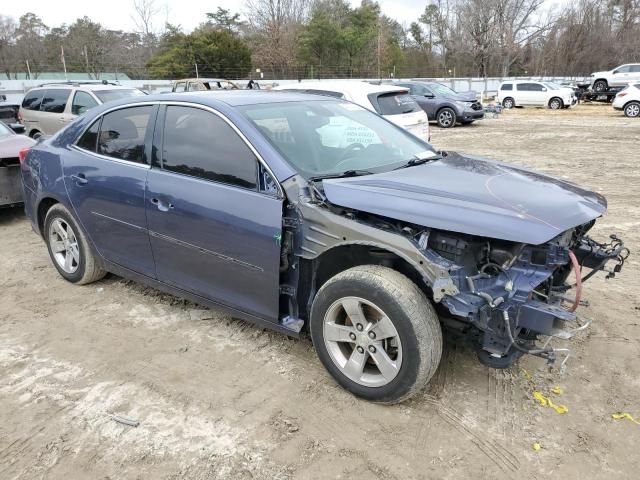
<point>122,133</point>
<point>529,87</point>
<point>55,100</point>
<point>394,103</point>
<point>89,138</point>
<point>506,86</point>
<point>82,102</point>
<point>32,100</point>
<point>635,68</point>
<point>200,144</point>
<point>180,87</point>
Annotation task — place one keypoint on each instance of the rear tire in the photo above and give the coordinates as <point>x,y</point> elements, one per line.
<point>632,110</point>
<point>446,117</point>
<point>556,103</point>
<point>600,86</point>
<point>376,333</point>
<point>69,249</point>
<point>508,103</point>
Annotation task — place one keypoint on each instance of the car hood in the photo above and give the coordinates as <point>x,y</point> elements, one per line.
<point>12,144</point>
<point>469,96</point>
<point>600,74</point>
<point>472,195</point>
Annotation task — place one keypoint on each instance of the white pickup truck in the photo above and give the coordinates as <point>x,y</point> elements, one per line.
<point>618,77</point>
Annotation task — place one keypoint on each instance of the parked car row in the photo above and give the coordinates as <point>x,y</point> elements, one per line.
<point>304,212</point>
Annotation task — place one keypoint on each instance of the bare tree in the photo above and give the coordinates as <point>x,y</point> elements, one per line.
<point>274,26</point>
<point>145,13</point>
<point>516,23</point>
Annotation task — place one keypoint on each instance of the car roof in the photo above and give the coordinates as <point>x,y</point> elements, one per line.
<point>232,98</point>
<point>350,86</point>
<point>86,86</point>
<point>201,79</point>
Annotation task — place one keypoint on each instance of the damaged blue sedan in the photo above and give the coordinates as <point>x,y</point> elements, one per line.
<point>309,214</point>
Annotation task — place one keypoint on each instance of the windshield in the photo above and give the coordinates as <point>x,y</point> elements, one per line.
<point>4,130</point>
<point>111,95</point>
<point>441,89</point>
<point>331,137</point>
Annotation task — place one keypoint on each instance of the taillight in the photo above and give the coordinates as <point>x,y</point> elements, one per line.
<point>22,154</point>
<point>19,117</point>
<point>622,94</point>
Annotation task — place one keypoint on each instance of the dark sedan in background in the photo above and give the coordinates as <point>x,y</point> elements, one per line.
<point>443,105</point>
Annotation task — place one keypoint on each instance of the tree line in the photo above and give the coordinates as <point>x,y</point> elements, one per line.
<point>330,38</point>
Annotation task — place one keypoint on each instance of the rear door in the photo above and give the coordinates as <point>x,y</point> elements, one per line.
<point>620,76</point>
<point>52,114</point>
<point>212,229</point>
<point>105,174</point>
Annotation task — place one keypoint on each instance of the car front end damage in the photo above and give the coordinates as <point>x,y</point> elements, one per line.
<point>514,298</point>
<point>506,276</point>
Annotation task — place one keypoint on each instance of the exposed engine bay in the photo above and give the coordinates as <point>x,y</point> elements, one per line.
<point>514,294</point>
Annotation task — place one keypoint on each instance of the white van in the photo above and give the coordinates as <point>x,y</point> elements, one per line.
<point>392,102</point>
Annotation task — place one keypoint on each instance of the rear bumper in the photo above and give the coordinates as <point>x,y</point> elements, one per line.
<point>10,186</point>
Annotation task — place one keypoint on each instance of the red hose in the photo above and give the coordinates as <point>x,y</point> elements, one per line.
<point>578,274</point>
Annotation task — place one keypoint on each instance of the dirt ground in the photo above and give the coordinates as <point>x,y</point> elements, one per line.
<point>220,399</point>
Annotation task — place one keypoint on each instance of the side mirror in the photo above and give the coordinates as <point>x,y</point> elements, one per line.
<point>544,89</point>
<point>17,127</point>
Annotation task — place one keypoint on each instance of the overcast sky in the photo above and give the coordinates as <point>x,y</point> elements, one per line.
<point>116,14</point>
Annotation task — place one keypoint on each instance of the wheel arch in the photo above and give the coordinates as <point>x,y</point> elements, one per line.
<point>44,205</point>
<point>317,271</point>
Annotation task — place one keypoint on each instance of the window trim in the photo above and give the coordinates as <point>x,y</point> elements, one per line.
<point>280,194</point>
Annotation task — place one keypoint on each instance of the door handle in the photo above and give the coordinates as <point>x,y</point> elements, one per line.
<point>162,206</point>
<point>80,179</point>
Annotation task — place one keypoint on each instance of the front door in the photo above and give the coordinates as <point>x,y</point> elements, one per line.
<point>105,174</point>
<point>213,232</point>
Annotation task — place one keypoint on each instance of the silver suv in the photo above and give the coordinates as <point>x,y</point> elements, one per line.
<point>49,107</point>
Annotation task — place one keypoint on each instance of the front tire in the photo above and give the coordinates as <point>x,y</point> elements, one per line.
<point>446,118</point>
<point>556,103</point>
<point>69,249</point>
<point>376,333</point>
<point>508,103</point>
<point>632,110</point>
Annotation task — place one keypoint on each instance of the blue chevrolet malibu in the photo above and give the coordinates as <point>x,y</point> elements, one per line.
<point>306,213</point>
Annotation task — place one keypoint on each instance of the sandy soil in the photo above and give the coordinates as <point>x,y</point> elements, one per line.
<point>217,398</point>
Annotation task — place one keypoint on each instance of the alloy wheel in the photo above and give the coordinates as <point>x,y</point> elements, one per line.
<point>632,110</point>
<point>362,341</point>
<point>445,118</point>
<point>64,245</point>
